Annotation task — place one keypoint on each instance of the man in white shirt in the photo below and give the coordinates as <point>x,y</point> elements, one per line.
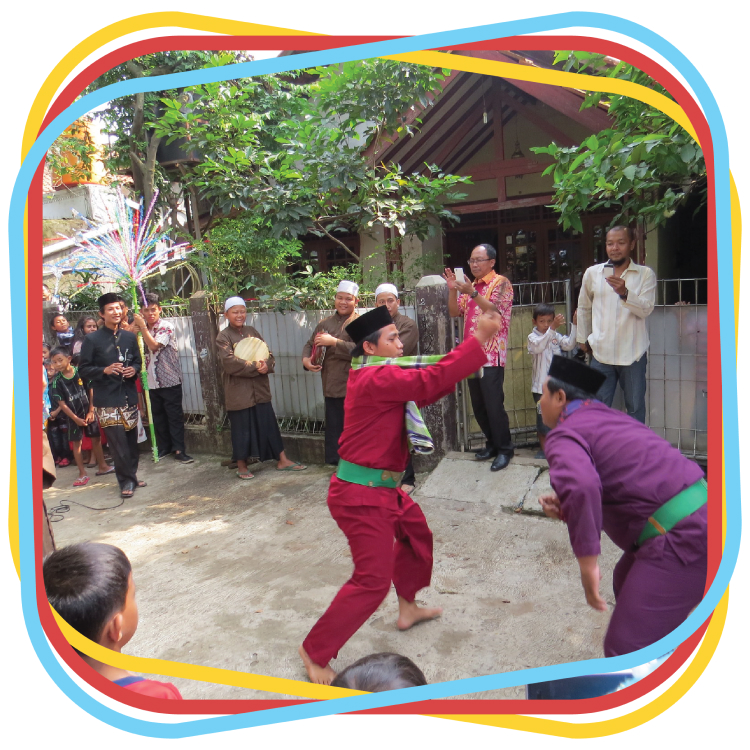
<point>614,303</point>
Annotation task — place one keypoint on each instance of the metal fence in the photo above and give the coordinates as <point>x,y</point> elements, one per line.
<point>519,403</point>
<point>297,393</point>
<point>676,376</point>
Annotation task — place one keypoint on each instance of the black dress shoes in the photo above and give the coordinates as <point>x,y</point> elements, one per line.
<point>485,454</point>
<point>500,462</point>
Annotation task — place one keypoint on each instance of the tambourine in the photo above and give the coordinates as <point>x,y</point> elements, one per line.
<point>251,350</point>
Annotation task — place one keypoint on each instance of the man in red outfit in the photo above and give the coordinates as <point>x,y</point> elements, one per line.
<point>363,496</point>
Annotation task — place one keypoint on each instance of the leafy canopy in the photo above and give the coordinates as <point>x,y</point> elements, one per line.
<point>644,167</point>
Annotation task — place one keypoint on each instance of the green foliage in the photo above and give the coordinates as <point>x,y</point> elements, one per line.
<point>242,255</point>
<point>293,151</point>
<point>80,291</point>
<point>642,168</point>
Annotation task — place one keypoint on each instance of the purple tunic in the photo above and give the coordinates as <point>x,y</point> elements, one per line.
<point>611,473</point>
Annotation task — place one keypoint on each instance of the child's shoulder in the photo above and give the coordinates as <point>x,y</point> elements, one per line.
<point>151,688</point>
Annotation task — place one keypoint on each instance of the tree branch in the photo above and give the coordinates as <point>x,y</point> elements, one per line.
<point>337,241</point>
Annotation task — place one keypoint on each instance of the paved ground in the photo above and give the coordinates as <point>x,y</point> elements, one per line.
<point>234,573</point>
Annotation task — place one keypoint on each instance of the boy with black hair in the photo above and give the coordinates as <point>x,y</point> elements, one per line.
<point>164,379</point>
<point>378,672</point>
<point>90,585</point>
<point>76,402</point>
<point>110,362</point>
<point>544,343</point>
<point>57,424</point>
<point>61,330</point>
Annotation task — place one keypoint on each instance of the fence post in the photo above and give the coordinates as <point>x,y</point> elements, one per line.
<point>435,333</point>
<point>205,328</point>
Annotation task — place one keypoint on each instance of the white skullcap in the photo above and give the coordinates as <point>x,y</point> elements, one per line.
<point>232,302</point>
<point>386,288</point>
<point>348,287</point>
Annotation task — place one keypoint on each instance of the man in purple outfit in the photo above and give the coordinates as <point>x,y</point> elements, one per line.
<point>611,473</point>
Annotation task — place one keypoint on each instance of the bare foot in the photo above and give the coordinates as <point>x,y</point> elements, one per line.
<point>409,614</point>
<point>317,674</point>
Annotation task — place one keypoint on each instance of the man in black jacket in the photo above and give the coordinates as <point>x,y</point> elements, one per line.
<point>110,362</point>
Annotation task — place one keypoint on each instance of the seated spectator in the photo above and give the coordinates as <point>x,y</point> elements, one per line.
<point>91,587</point>
<point>378,672</point>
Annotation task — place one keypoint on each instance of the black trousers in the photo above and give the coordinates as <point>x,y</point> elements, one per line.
<point>169,420</point>
<point>123,445</point>
<point>334,428</point>
<point>487,400</point>
<point>409,477</point>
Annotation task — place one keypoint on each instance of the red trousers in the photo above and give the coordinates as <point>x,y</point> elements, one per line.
<point>389,541</point>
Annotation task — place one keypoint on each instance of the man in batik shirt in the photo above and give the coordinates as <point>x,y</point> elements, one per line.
<point>490,292</point>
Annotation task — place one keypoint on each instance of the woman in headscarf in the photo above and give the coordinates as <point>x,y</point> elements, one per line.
<point>247,394</point>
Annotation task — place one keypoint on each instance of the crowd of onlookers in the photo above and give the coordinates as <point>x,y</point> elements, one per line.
<point>93,405</point>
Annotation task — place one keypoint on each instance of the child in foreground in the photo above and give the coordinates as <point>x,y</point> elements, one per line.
<point>91,587</point>
<point>378,672</point>
<point>544,343</point>
<point>69,393</point>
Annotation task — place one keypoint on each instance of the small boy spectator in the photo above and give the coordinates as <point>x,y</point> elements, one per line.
<point>164,379</point>
<point>62,330</point>
<point>57,424</point>
<point>544,343</point>
<point>76,402</point>
<point>378,672</point>
<point>91,587</point>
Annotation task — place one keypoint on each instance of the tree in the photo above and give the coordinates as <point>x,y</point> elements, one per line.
<point>127,119</point>
<point>290,148</point>
<point>644,167</point>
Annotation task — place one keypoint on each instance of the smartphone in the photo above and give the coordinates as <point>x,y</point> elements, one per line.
<point>609,269</point>
<point>459,275</point>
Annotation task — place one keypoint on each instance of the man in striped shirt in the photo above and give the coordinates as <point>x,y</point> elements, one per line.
<point>615,300</point>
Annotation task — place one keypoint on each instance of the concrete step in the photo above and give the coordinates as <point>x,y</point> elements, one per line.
<point>462,478</point>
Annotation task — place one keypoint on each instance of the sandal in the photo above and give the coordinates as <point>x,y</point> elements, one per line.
<point>111,470</point>
<point>246,475</point>
<point>81,482</point>
<point>293,467</point>
<point>141,483</point>
<point>127,493</point>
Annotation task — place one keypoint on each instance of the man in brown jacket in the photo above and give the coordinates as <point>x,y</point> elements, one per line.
<point>330,334</point>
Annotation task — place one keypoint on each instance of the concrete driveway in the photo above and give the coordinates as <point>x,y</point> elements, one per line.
<point>233,574</point>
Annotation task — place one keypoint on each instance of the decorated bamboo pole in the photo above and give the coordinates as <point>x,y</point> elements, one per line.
<point>144,382</point>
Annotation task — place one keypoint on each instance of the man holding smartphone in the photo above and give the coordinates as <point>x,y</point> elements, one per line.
<point>489,293</point>
<point>616,298</point>
<point>110,362</point>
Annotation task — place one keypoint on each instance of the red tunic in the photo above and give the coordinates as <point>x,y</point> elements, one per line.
<point>372,517</point>
<point>374,429</point>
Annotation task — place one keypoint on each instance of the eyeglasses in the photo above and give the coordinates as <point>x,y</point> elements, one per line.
<point>473,261</point>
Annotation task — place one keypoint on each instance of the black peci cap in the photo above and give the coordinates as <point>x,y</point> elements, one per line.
<point>108,299</point>
<point>368,323</point>
<point>575,373</point>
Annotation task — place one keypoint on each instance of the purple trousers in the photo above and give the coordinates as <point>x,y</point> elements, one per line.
<point>654,596</point>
